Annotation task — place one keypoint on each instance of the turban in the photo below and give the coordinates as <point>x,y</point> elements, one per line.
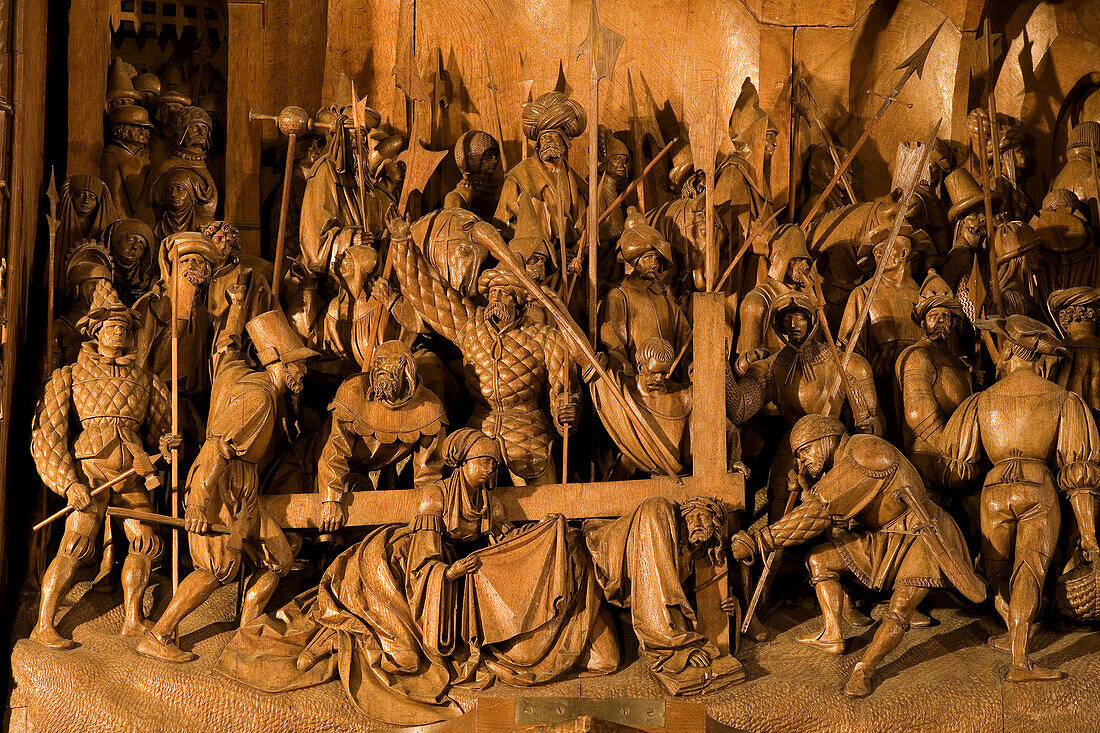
<point>553,111</point>
<point>498,277</point>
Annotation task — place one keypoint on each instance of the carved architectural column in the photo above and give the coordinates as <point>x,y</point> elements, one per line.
<point>89,55</point>
<point>246,88</point>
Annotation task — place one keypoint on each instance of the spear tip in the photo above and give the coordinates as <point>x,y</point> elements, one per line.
<point>917,59</point>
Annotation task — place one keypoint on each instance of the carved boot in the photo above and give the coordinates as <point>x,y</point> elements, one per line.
<point>135,579</point>
<point>830,596</point>
<point>1023,669</point>
<point>859,682</point>
<point>54,585</point>
<point>156,647</point>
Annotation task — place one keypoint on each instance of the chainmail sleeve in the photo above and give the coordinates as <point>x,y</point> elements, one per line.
<point>440,305</point>
<point>50,435</point>
<point>804,522</point>
<point>746,396</point>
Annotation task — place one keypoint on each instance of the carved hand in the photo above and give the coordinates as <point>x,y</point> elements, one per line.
<point>399,228</point>
<point>237,293</point>
<point>567,417</point>
<point>576,265</point>
<point>1090,549</point>
<point>382,290</point>
<point>78,496</point>
<point>748,358</point>
<point>194,519</point>
<point>333,516</point>
<point>698,658</point>
<point>743,548</point>
<point>463,567</point>
<point>170,442</point>
<point>730,606</point>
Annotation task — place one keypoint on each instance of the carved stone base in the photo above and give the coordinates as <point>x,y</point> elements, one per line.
<point>942,678</point>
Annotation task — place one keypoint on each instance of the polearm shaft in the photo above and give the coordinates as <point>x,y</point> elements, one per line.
<point>496,110</point>
<point>174,471</point>
<point>813,114</point>
<point>987,201</point>
<point>290,121</point>
<point>51,285</point>
<point>912,65</point>
<point>96,492</point>
<point>151,518</point>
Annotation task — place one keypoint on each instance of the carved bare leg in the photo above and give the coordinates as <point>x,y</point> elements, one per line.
<point>258,594</point>
<point>192,592</point>
<point>135,579</point>
<point>894,624</point>
<point>54,584</point>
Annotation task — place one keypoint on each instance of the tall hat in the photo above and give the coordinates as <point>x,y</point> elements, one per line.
<point>553,111</point>
<point>106,306</point>
<point>788,242</point>
<point>747,114</point>
<point>812,428</point>
<point>935,293</point>
<point>471,147</point>
<point>120,83</point>
<point>1082,295</point>
<point>89,260</point>
<point>1035,337</point>
<point>964,192</point>
<point>192,243</point>
<point>1085,135</point>
<point>1014,239</point>
<point>173,86</point>
<point>638,238</point>
<point>683,165</point>
<point>129,114</point>
<point>275,340</point>
<point>498,277</point>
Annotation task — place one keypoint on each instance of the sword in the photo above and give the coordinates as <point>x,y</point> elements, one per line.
<point>961,575</point>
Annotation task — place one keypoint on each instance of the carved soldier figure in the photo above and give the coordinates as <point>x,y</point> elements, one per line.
<point>1069,254</point>
<point>1075,311</point>
<point>131,243</point>
<point>1017,247</point>
<point>223,484</point>
<point>614,164</point>
<point>379,418</point>
<point>968,216</point>
<point>235,268</point>
<point>189,135</point>
<point>545,180</point>
<point>120,85</point>
<point>1015,160</point>
<point>89,266</point>
<point>1077,174</point>
<point>934,379</point>
<point>641,306</point>
<point>115,401</point>
<point>889,327</point>
<point>788,264</point>
<point>509,362</point>
<point>798,379</point>
<point>477,156</point>
<point>1026,426</point>
<point>124,165</point>
<point>884,529</point>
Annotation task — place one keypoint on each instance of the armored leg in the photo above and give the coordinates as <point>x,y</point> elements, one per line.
<point>895,622</point>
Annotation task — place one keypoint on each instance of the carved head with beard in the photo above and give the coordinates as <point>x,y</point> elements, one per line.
<point>937,311</point>
<point>506,297</point>
<point>705,522</point>
<point>392,372</point>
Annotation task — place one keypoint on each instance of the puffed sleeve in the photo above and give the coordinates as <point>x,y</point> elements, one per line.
<point>961,443</point>
<point>1078,448</point>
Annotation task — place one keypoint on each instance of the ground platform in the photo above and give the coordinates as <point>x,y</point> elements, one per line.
<point>943,678</point>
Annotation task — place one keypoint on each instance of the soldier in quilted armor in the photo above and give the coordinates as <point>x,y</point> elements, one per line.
<point>379,418</point>
<point>1027,426</point>
<point>882,524</point>
<point>114,400</point>
<point>798,379</point>
<point>224,481</point>
<point>509,361</point>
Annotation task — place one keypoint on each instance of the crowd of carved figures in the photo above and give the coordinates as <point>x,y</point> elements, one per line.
<point>912,382</point>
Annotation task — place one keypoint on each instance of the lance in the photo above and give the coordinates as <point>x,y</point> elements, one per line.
<point>360,161</point>
<point>405,74</point>
<point>703,134</point>
<point>985,52</point>
<point>602,46</point>
<point>291,121</point>
<point>987,200</point>
<point>51,285</point>
<point>151,518</point>
<point>809,109</point>
<point>865,311</point>
<point>487,235</point>
<point>174,470</point>
<point>496,111</point>
<point>910,66</point>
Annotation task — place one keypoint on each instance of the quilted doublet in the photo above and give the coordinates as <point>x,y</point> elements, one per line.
<point>110,391</point>
<point>509,367</point>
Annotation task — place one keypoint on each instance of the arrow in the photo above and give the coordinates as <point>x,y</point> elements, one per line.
<point>602,46</point>
<point>704,146</point>
<point>864,312</point>
<point>910,66</point>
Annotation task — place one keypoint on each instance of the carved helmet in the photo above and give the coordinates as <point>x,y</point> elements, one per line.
<point>787,243</point>
<point>812,428</point>
<point>935,293</point>
<point>1014,239</point>
<point>275,340</point>
<point>639,238</point>
<point>106,306</point>
<point>90,260</point>
<point>1085,135</point>
<point>129,114</point>
<point>471,147</point>
<point>120,84</point>
<point>793,300</point>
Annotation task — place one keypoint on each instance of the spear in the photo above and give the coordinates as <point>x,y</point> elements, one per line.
<point>987,200</point>
<point>809,109</point>
<point>174,469</point>
<point>864,312</point>
<point>496,110</point>
<point>910,66</point>
<point>360,161</point>
<point>602,46</point>
<point>703,134</point>
<point>51,285</point>
<point>986,50</point>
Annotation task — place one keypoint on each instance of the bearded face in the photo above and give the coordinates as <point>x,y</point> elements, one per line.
<point>293,375</point>
<point>503,307</point>
<point>973,229</point>
<point>653,376</point>
<point>136,134</point>
<point>701,525</point>
<point>195,269</point>
<point>937,324</point>
<point>813,457</point>
<point>552,147</point>
<point>648,266</point>
<point>197,137</point>
<point>386,375</point>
